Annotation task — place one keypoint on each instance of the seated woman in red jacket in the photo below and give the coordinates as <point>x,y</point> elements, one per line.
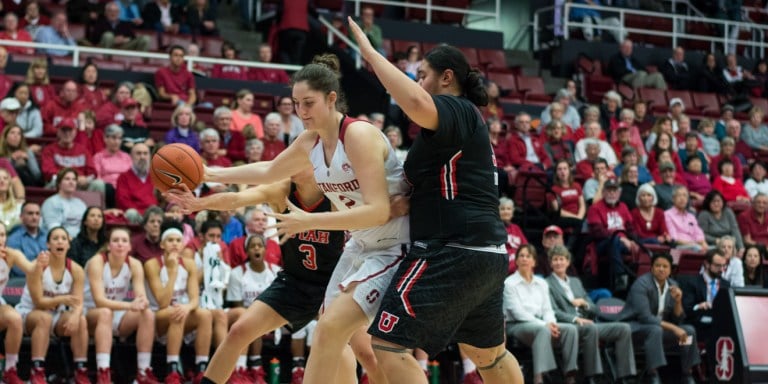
<point>731,187</point>
<point>515,236</point>
<point>648,219</point>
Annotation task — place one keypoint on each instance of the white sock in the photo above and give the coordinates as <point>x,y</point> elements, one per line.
<point>201,359</point>
<point>242,361</point>
<point>172,359</point>
<point>11,360</point>
<point>143,361</point>
<point>469,366</point>
<point>422,364</point>
<point>102,360</point>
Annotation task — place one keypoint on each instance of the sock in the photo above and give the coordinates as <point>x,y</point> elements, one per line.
<point>102,360</point>
<point>254,361</point>
<point>80,363</point>
<point>201,361</point>
<point>422,364</point>
<point>143,361</point>
<point>298,362</point>
<point>242,361</point>
<point>38,362</point>
<point>469,366</point>
<point>173,363</point>
<point>11,360</point>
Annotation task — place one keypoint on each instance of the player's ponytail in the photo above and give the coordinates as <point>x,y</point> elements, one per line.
<point>474,88</point>
<point>444,57</point>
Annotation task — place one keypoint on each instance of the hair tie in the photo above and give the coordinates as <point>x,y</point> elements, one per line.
<point>170,232</point>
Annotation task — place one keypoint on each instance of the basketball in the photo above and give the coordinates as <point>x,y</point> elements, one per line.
<point>176,164</point>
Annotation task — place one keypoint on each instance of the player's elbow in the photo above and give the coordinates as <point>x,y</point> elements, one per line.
<point>380,216</point>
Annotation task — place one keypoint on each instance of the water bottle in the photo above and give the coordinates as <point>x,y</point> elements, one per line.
<point>434,372</point>
<point>274,371</point>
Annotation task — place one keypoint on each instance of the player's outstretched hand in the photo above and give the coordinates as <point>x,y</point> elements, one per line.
<point>289,224</point>
<point>182,197</point>
<point>366,49</point>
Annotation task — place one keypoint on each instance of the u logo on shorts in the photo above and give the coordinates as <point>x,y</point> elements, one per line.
<point>387,322</point>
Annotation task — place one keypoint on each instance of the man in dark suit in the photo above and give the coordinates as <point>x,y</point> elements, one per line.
<point>655,313</point>
<point>110,32</point>
<point>676,71</point>
<point>699,292</point>
<point>626,69</point>
<point>572,305</point>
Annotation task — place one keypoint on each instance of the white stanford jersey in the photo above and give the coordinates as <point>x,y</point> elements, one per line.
<point>246,285</point>
<point>50,288</point>
<point>4,275</point>
<point>115,287</point>
<point>339,183</point>
<point>180,295</point>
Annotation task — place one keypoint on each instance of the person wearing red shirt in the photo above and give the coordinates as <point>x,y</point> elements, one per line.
<point>293,29</point>
<point>256,223</point>
<point>273,143</point>
<point>66,106</point>
<point>753,223</point>
<point>731,187</point>
<point>88,135</point>
<point>568,199</point>
<point>174,83</point>
<point>32,19</point>
<point>112,113</point>
<point>733,130</point>
<point>65,153</point>
<point>523,147</point>
<point>209,149</point>
<point>267,75</point>
<point>609,222</point>
<point>145,246</point>
<point>12,32</point>
<point>232,143</point>
<point>649,223</point>
<point>134,191</point>
<point>727,151</point>
<point>92,95</point>
<point>227,71</point>
<point>515,236</point>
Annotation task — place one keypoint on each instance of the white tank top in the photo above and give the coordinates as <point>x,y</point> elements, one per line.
<point>4,276</point>
<point>246,285</point>
<point>180,295</point>
<point>50,288</point>
<point>339,183</point>
<point>115,288</point>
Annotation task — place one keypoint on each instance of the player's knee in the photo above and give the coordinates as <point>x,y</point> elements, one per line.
<point>13,321</point>
<point>147,316</point>
<point>204,317</point>
<point>104,316</point>
<point>219,317</point>
<point>43,319</point>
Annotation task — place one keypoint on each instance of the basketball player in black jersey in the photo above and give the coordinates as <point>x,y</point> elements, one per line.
<point>450,286</point>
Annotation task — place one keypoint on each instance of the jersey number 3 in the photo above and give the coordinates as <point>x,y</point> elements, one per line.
<point>310,256</point>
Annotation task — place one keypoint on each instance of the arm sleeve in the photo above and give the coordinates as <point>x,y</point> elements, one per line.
<point>35,121</point>
<point>642,307</point>
<point>51,214</point>
<point>671,227</point>
<point>704,221</point>
<point>34,167</point>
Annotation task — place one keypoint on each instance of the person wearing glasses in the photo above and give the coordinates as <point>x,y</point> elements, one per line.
<point>699,292</point>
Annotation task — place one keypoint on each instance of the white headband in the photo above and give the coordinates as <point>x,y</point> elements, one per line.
<point>171,231</point>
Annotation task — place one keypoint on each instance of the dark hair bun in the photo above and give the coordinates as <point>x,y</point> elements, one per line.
<point>329,60</point>
<point>474,88</point>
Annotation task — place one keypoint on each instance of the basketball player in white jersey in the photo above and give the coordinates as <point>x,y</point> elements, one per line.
<point>357,169</point>
<point>10,320</point>
<point>174,297</point>
<point>52,303</point>
<point>111,274</point>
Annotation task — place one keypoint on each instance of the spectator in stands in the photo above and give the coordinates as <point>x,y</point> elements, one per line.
<point>255,223</point>
<point>395,138</point>
<point>515,236</point>
<point>14,148</point>
<point>655,312</point>
<point>64,209</point>
<point>584,169</point>
<point>90,239</point>
<point>524,148</point>
<point>65,153</point>
<point>662,125</point>
<point>629,157</point>
<point>10,201</point>
<point>752,222</point>
<point>273,143</point>
<point>629,183</point>
<point>648,220</point>
<point>146,245</point>
<point>88,136</point>
<point>242,114</point>
<point>414,57</point>
<point>9,110</point>
<point>292,125</point>
<point>626,69</point>
<point>755,132</point>
<point>643,120</point>
<point>610,110</point>
<point>39,82</point>
<point>572,305</point>
<point>727,152</point>
<point>761,79</point>
<point>676,71</point>
<point>664,142</point>
<point>531,319</point>
<point>174,83</point>
<point>111,112</point>
<point>731,187</point>
<point>494,107</point>
<point>111,32</point>
<point>726,115</point>
<point>134,131</point>
<point>5,82</point>
<point>734,271</point>
<point>568,199</point>
<point>110,162</point>
<point>292,30</point>
<point>267,75</point>
<point>555,146</point>
<point>134,189</point>
<point>232,143</point>
<point>744,152</point>
<point>754,271</point>
<point>569,114</point>
<point>227,71</point>
<point>696,180</point>
<point>201,18</point>
<point>717,220</point>
<point>710,142</point>
<point>682,224</point>
<point>593,188</point>
<point>757,182</point>
<point>164,16</point>
<point>129,11</point>
<point>57,33</point>
<point>592,132</point>
<point>183,131</point>
<point>11,31</point>
<point>591,115</point>
<point>209,149</point>
<point>371,30</point>
<point>29,238</point>
<point>254,148</point>
<point>33,20</point>
<point>710,77</point>
<point>699,293</point>
<point>65,107</point>
<point>84,11</point>
<point>690,148</point>
<point>92,95</point>
<point>741,80</point>
<point>589,17</point>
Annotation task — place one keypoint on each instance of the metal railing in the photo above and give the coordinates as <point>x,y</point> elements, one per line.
<point>190,60</point>
<point>334,32</point>
<point>679,23</point>
<point>429,7</point>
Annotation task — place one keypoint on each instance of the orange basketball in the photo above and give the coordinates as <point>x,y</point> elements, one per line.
<point>176,164</point>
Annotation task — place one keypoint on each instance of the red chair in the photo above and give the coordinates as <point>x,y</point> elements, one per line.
<point>63,61</point>
<point>506,83</point>
<point>402,45</point>
<point>428,46</point>
<point>656,97</point>
<point>212,46</point>
<point>688,262</point>
<point>110,65</point>
<point>22,58</point>
<point>533,88</point>
<point>161,62</point>
<point>154,43</point>
<point>167,40</point>
<point>145,68</point>
<point>759,102</point>
<point>77,31</point>
<point>452,17</point>
<point>707,103</point>
<point>627,94</point>
<point>492,60</point>
<point>471,55</point>
<point>685,96</point>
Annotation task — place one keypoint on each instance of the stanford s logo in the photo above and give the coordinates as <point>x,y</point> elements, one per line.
<point>724,354</point>
<point>387,322</point>
<point>372,296</point>
<point>176,178</point>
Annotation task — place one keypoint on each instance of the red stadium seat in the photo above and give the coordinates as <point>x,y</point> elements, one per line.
<point>145,68</point>
<point>428,46</point>
<point>77,31</point>
<point>110,65</point>
<point>65,61</point>
<point>685,96</point>
<point>168,39</point>
<point>212,46</point>
<point>707,103</point>
<point>452,17</point>
<point>22,58</point>
<point>162,62</point>
<point>154,44</point>
<point>533,88</point>
<point>402,45</point>
<point>492,60</point>
<point>688,262</point>
<point>506,83</point>
<point>656,97</point>
<point>471,55</point>
<point>760,102</point>
<point>627,93</point>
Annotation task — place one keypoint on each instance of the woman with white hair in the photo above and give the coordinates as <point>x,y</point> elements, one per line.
<point>273,142</point>
<point>209,149</point>
<point>610,109</point>
<point>648,219</point>
<point>183,131</point>
<point>734,270</point>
